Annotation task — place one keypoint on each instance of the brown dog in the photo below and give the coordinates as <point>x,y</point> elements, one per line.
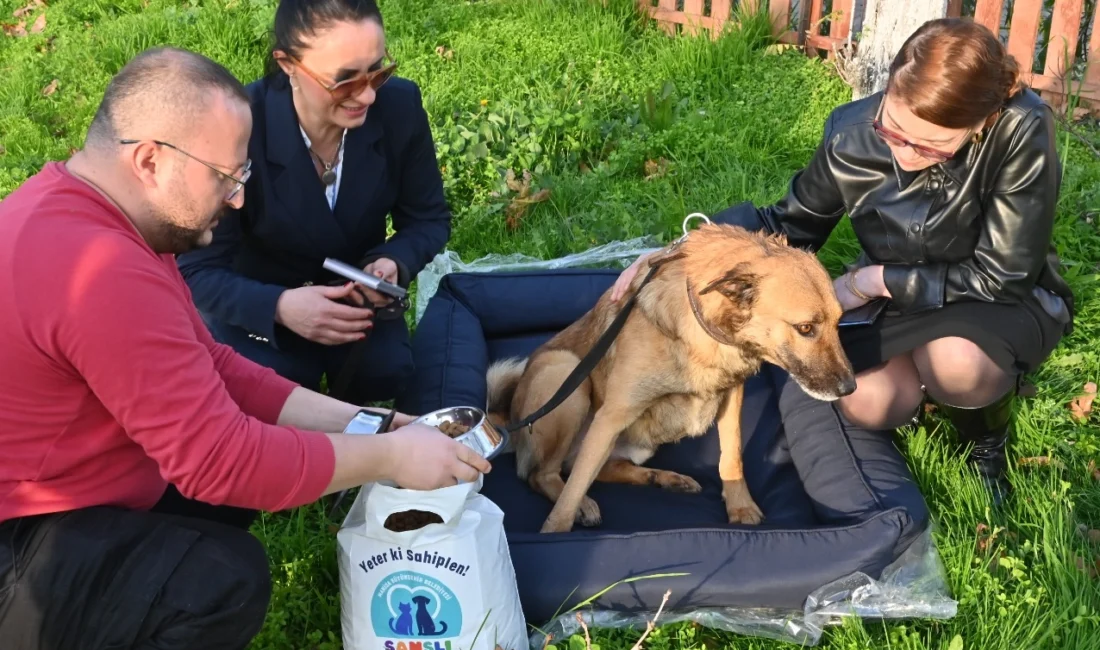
<point>723,301</point>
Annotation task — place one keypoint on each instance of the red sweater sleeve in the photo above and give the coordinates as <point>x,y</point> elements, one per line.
<point>129,329</point>
<point>258,390</point>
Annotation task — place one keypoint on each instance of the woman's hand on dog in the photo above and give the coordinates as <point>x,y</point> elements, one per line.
<point>867,281</point>
<point>624,279</point>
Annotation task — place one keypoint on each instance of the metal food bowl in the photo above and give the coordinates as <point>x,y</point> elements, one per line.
<point>483,437</point>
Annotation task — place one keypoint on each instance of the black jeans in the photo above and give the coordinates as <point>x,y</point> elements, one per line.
<point>187,575</point>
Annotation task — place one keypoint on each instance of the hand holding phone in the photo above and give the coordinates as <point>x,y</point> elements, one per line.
<point>371,282</point>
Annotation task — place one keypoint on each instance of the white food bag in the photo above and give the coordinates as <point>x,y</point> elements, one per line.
<point>448,586</point>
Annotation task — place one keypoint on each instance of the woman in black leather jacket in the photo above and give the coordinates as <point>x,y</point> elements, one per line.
<point>950,178</point>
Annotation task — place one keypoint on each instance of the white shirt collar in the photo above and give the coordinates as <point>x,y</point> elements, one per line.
<point>331,191</point>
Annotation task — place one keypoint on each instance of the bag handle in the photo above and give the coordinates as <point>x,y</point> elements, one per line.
<point>449,503</point>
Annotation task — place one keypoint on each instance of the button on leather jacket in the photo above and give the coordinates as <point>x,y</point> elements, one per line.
<point>976,227</point>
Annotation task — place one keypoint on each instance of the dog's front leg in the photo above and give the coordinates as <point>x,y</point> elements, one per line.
<point>740,507</point>
<point>611,419</point>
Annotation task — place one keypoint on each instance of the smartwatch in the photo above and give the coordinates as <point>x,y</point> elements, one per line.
<point>368,422</point>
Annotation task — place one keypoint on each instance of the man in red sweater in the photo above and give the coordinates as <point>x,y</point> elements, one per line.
<point>136,450</point>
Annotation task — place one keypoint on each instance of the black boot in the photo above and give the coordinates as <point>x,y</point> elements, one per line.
<point>987,429</point>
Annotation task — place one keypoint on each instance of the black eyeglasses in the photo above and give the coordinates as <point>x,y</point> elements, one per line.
<point>238,183</point>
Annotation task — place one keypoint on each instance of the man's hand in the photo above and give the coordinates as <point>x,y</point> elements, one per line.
<point>307,409</point>
<point>399,419</point>
<point>384,268</point>
<point>425,458</point>
<point>414,456</point>
<point>313,313</point>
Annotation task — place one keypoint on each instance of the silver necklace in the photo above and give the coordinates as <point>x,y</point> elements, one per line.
<point>328,176</point>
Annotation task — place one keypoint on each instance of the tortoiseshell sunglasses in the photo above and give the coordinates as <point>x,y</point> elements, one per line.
<point>348,88</point>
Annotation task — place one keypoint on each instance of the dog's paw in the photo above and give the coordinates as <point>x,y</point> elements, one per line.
<point>681,483</point>
<point>589,513</point>
<point>750,515</point>
<point>556,524</point>
<point>673,481</point>
<point>550,526</point>
<point>740,507</point>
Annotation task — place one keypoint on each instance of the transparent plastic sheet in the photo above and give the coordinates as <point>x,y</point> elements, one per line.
<point>913,587</point>
<point>616,254</point>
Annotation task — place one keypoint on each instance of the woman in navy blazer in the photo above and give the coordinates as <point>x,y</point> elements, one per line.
<point>337,144</point>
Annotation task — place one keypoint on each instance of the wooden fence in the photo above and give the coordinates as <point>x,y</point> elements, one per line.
<point>823,27</point>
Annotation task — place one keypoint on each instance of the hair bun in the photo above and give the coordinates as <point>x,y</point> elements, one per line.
<point>1010,75</point>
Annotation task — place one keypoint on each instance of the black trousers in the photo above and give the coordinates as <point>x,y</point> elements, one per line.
<point>187,575</point>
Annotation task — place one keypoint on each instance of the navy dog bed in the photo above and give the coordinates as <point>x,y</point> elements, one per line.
<point>836,499</point>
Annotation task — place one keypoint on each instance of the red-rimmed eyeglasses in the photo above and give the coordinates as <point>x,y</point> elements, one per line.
<point>898,141</point>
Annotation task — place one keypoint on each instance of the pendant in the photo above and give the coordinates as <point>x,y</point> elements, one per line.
<point>328,177</point>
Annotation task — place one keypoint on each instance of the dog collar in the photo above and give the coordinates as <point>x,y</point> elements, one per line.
<point>711,332</point>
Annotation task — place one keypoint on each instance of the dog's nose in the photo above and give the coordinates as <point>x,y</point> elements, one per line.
<point>847,386</point>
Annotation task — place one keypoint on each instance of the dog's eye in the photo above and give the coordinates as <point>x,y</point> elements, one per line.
<point>805,329</point>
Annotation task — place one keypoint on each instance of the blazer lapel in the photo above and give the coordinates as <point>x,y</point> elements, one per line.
<point>364,171</point>
<point>298,189</point>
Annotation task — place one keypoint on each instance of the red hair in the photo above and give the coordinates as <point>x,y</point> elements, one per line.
<point>954,73</point>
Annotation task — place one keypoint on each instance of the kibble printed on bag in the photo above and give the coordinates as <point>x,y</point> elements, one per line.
<point>427,571</point>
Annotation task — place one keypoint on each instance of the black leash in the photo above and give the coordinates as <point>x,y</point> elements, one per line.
<point>583,369</point>
<point>340,385</point>
<point>588,363</point>
<point>357,354</point>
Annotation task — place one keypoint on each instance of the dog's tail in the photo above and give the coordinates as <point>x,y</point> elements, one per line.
<point>502,378</point>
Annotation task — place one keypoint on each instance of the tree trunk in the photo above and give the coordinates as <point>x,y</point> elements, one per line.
<point>885,26</point>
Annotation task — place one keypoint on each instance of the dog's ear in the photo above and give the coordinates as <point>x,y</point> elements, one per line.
<point>738,285</point>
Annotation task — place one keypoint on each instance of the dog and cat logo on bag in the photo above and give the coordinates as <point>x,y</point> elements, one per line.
<point>413,611</point>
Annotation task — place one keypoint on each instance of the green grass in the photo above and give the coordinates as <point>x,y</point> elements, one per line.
<point>560,88</point>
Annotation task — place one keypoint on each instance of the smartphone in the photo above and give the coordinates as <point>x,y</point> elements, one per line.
<point>365,279</point>
<point>865,314</point>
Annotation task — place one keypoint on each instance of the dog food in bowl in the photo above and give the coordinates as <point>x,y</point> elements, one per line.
<point>469,426</point>
<point>453,429</point>
<point>400,522</point>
